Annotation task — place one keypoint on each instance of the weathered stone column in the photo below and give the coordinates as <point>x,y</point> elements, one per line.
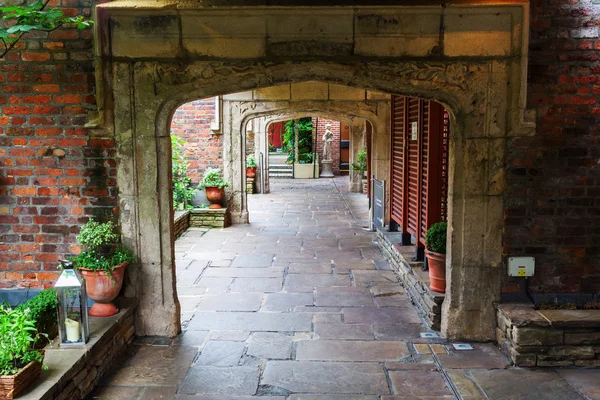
<point>146,208</point>
<point>357,134</point>
<point>234,162</point>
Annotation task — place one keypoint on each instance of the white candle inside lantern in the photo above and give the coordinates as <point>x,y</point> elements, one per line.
<point>73,331</point>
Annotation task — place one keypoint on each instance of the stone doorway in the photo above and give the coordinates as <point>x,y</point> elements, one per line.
<point>471,58</point>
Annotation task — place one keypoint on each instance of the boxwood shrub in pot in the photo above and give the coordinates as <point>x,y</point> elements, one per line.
<point>435,241</point>
<point>102,263</point>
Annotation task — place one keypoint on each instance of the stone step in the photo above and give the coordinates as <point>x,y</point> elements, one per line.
<point>280,166</point>
<point>280,176</point>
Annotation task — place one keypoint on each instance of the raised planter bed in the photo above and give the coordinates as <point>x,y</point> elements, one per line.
<point>416,281</point>
<point>209,218</point>
<point>72,373</point>
<point>549,338</point>
<point>181,223</point>
<point>12,386</point>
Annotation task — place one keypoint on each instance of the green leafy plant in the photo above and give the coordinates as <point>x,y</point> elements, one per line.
<point>250,161</point>
<point>101,252</point>
<point>42,309</point>
<point>435,239</point>
<point>305,138</point>
<point>360,165</point>
<point>212,178</point>
<point>183,190</point>
<point>18,336</point>
<point>305,158</point>
<point>34,17</point>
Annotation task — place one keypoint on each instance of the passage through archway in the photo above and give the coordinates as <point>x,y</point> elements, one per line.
<point>469,77</point>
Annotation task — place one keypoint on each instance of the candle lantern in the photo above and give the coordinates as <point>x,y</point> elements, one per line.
<point>72,307</point>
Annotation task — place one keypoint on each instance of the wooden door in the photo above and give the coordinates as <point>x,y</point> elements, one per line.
<point>344,147</point>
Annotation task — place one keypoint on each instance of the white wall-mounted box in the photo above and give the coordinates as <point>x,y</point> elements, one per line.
<point>521,266</point>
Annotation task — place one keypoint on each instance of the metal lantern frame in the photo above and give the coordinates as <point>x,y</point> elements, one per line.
<point>70,280</point>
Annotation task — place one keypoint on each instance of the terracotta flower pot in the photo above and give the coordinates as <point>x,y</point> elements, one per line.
<point>103,290</point>
<point>250,172</point>
<point>437,271</point>
<point>215,196</point>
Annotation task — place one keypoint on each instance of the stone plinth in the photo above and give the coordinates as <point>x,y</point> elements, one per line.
<point>327,170</point>
<point>209,218</point>
<point>549,338</point>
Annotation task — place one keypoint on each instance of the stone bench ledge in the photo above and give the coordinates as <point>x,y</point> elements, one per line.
<point>522,315</point>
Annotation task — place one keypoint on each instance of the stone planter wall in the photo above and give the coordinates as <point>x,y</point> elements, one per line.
<point>549,338</point>
<point>209,218</point>
<point>72,373</point>
<point>181,223</point>
<point>414,280</point>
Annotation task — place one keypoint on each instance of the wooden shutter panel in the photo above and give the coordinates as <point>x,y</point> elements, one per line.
<point>397,158</point>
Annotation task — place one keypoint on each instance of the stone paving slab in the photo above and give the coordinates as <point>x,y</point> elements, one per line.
<point>286,302</point>
<point>485,356</point>
<point>343,350</point>
<point>270,346</point>
<point>265,285</point>
<point>221,354</point>
<point>244,272</point>
<point>381,316</point>
<point>344,297</point>
<point>154,365</point>
<point>524,384</point>
<point>326,377</point>
<point>253,261</point>
<point>251,321</point>
<point>586,381</point>
<point>307,282</point>
<point>330,397</point>
<point>418,383</point>
<point>231,302</point>
<point>343,331</point>
<point>221,380</point>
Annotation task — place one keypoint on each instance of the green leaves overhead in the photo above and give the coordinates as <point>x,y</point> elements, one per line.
<point>34,17</point>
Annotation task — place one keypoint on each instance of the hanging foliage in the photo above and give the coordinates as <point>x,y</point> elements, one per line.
<point>34,17</point>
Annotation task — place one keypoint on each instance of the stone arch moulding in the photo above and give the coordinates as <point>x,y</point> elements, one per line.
<point>236,115</point>
<point>153,56</point>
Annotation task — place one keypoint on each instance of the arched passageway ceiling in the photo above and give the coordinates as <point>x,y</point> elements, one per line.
<point>156,55</point>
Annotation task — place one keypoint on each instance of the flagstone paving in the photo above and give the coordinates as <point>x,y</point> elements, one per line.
<point>300,305</point>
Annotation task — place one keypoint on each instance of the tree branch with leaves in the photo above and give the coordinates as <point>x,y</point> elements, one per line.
<point>34,17</point>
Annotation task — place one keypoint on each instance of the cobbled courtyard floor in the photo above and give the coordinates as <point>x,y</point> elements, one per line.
<point>300,305</point>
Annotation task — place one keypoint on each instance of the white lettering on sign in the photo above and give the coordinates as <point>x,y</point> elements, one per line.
<point>415,130</point>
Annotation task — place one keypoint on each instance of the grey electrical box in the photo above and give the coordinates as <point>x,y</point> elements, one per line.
<point>521,266</point>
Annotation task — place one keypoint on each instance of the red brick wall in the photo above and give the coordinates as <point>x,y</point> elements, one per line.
<point>54,174</point>
<point>553,196</point>
<point>320,124</point>
<point>204,149</point>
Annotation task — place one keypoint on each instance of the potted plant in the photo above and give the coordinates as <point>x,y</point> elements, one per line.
<point>214,185</point>
<point>20,362</point>
<point>360,166</point>
<point>250,166</point>
<point>102,264</point>
<point>435,241</point>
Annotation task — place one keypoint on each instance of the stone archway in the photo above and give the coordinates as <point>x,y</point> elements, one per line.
<point>156,57</point>
<point>263,123</point>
